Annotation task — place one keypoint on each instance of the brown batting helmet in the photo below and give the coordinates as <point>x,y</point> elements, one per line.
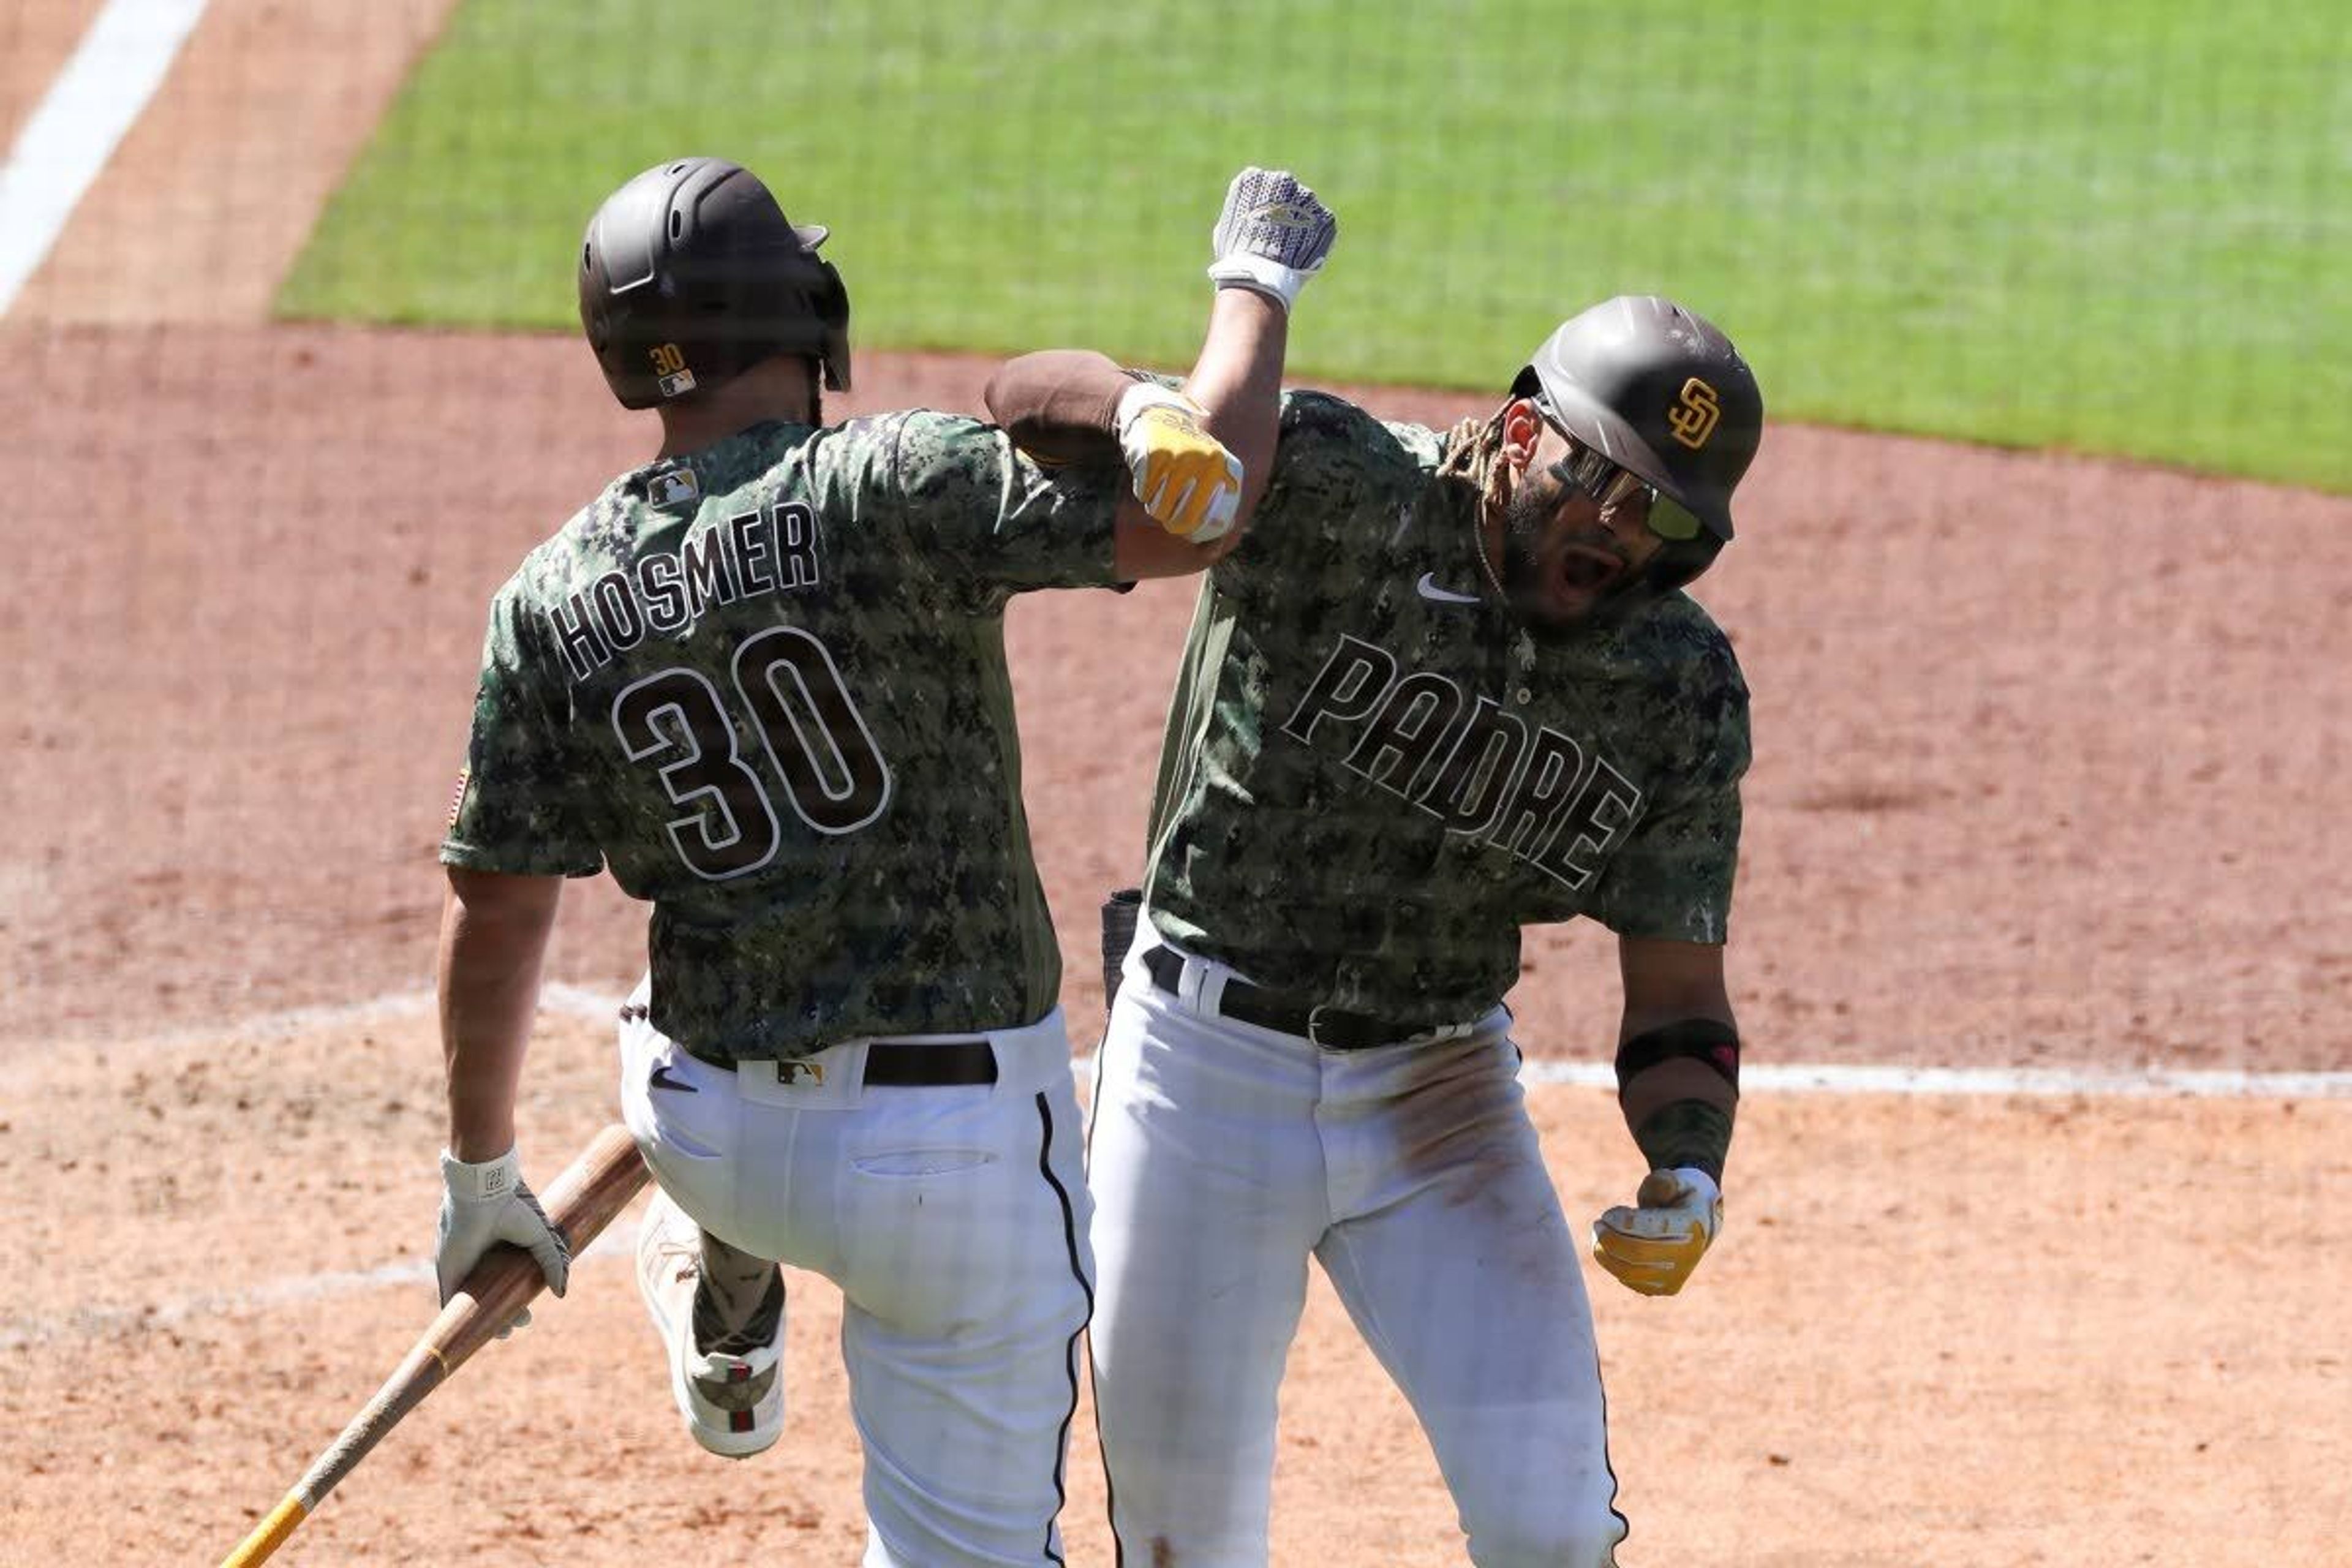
<point>690,274</point>
<point>1660,392</point>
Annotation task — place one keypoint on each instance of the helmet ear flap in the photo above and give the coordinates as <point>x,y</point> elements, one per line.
<point>1680,560</point>
<point>832,302</point>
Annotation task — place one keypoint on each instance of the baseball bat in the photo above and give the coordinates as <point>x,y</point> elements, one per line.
<point>580,1205</point>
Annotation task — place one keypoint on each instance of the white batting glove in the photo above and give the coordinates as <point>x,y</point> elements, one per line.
<point>1273,235</point>
<point>1184,477</point>
<point>1655,1246</point>
<point>482,1205</point>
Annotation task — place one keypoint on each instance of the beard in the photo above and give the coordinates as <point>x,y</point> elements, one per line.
<point>1527,516</point>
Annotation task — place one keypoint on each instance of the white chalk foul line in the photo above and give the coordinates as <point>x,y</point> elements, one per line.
<point>393,1006</point>
<point>580,1002</point>
<point>2054,1083</point>
<point>1837,1077</point>
<point>64,143</point>
<point>415,1274</point>
<point>1779,1077</point>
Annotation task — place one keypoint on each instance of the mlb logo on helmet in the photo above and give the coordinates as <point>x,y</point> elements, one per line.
<point>669,365</point>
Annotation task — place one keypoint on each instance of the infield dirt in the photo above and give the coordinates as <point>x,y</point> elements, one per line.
<point>2049,750</point>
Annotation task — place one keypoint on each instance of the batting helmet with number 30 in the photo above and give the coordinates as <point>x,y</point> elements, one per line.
<point>690,274</point>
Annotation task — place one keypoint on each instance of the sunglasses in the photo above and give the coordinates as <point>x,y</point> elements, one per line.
<point>1610,485</point>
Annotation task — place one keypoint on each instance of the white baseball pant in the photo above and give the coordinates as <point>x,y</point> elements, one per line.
<point>1221,1155</point>
<point>953,1219</point>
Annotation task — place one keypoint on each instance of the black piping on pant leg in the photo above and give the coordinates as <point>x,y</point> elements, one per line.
<point>1078,1272</point>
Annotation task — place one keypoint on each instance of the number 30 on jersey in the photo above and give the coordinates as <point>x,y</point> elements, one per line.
<point>810,731</point>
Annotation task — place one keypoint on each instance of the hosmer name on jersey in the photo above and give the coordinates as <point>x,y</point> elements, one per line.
<point>771,551</point>
<point>1471,764</point>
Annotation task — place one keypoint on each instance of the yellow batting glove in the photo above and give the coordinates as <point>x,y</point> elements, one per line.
<point>1655,1246</point>
<point>1183,476</point>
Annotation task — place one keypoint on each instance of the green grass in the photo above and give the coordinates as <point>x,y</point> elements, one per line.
<point>2116,226</point>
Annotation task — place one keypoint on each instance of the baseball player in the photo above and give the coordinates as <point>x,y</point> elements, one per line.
<point>1450,685</point>
<point>762,679</point>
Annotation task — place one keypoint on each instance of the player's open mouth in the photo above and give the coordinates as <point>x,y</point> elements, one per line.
<point>1586,570</point>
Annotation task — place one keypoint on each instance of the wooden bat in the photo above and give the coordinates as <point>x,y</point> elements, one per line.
<point>580,1205</point>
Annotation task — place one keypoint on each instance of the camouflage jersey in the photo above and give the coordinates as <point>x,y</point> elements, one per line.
<point>1373,776</point>
<point>765,684</point>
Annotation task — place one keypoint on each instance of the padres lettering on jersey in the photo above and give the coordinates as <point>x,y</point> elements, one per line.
<point>1482,772</point>
<point>1373,777</point>
<point>765,685</point>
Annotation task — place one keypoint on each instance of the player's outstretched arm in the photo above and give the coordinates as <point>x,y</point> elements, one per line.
<point>1678,1086</point>
<point>1201,457</point>
<point>1272,235</point>
<point>1237,381</point>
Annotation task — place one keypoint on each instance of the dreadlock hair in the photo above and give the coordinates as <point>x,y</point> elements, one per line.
<point>1471,449</point>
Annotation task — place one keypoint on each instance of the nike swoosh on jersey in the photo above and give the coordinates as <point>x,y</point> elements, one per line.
<point>659,1078</point>
<point>1436,595</point>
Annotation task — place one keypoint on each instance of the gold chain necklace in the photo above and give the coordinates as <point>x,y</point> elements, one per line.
<point>1478,540</point>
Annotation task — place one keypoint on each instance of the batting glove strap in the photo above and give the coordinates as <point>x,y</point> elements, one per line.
<point>1277,282</point>
<point>478,1183</point>
<point>1187,480</point>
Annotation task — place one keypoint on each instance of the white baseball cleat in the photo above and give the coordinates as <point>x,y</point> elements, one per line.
<point>732,1395</point>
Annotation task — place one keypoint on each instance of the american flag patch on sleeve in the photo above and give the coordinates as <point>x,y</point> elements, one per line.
<point>458,796</point>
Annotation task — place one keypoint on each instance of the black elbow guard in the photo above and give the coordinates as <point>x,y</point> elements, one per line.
<point>1706,1040</point>
<point>1684,1131</point>
<point>1701,1039</point>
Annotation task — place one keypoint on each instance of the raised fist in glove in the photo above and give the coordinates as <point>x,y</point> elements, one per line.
<point>1653,1246</point>
<point>487,1203</point>
<point>1183,476</point>
<point>1273,236</point>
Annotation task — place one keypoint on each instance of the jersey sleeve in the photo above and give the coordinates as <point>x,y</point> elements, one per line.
<point>519,808</point>
<point>1672,879</point>
<point>973,505</point>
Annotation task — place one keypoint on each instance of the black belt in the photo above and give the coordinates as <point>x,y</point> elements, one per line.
<point>1329,1027</point>
<point>908,1064</point>
<point>930,1064</point>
